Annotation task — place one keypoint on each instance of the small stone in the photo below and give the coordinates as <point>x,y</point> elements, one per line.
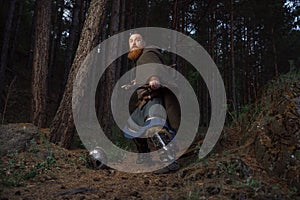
<point>147,182</point>
<point>82,197</point>
<point>96,179</point>
<point>135,194</point>
<point>213,190</point>
<point>107,173</point>
<point>165,197</point>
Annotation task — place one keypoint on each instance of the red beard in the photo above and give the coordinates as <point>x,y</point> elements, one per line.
<point>135,54</point>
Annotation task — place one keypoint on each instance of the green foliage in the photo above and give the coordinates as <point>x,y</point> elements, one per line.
<point>253,183</point>
<point>84,157</point>
<point>46,164</point>
<point>14,172</point>
<point>293,191</point>
<point>195,194</point>
<point>14,169</point>
<point>193,77</point>
<point>120,141</point>
<point>245,116</point>
<point>228,168</point>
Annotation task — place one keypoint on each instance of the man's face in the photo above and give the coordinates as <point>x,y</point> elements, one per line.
<point>136,42</point>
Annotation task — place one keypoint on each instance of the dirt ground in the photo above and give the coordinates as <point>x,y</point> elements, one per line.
<point>46,171</point>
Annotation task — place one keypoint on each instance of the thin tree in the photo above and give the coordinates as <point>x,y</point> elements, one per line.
<point>16,29</point>
<point>40,62</point>
<point>5,47</point>
<point>73,38</point>
<point>232,54</point>
<point>62,128</point>
<point>57,22</point>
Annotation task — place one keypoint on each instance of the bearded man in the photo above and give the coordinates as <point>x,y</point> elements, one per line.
<point>155,103</point>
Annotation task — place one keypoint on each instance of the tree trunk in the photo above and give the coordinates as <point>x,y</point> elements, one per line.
<point>274,49</point>
<point>233,84</point>
<point>122,62</point>
<point>62,127</point>
<point>40,62</point>
<point>56,38</point>
<point>32,31</point>
<point>110,73</point>
<point>174,27</point>
<point>73,38</point>
<point>130,16</point>
<point>72,44</point>
<point>5,48</point>
<point>147,13</point>
<point>246,85</point>
<point>16,34</point>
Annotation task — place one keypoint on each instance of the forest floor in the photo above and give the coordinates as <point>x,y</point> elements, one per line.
<point>256,158</point>
<point>46,171</point>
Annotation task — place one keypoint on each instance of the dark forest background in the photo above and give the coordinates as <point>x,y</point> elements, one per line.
<point>44,41</point>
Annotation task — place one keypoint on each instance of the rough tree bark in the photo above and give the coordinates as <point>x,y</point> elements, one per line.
<point>62,128</point>
<point>110,74</point>
<point>40,62</point>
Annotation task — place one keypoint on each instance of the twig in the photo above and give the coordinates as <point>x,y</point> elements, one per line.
<point>80,190</point>
<point>245,145</point>
<point>7,97</point>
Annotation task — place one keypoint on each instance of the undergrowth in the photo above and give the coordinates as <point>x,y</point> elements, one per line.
<point>15,167</point>
<point>247,114</point>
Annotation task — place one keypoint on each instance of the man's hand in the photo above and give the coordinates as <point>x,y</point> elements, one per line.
<point>133,82</point>
<point>154,84</point>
